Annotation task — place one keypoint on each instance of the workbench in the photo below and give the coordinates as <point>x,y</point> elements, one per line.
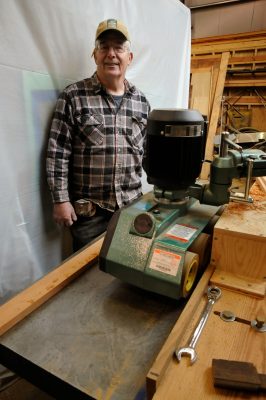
<point>96,338</point>
<point>238,268</point>
<point>172,380</point>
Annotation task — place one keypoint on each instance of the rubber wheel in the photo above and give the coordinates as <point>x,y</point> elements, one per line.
<point>190,270</point>
<point>202,247</point>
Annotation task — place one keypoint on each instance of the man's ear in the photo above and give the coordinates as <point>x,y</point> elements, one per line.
<point>130,58</point>
<point>94,56</point>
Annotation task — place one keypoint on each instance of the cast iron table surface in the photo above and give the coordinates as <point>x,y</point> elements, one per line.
<point>97,338</point>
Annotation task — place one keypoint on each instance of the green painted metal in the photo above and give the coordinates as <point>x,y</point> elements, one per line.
<point>154,260</point>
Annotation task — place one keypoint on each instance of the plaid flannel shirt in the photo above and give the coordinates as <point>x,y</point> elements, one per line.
<point>95,151</point>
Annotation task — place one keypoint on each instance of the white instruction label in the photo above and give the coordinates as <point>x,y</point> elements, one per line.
<point>165,262</point>
<point>181,232</point>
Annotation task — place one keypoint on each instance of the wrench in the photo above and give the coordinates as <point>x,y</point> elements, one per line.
<point>213,294</point>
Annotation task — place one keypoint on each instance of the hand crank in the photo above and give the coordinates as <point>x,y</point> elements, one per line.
<point>213,294</point>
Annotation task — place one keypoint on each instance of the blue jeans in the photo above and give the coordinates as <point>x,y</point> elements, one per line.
<point>85,229</point>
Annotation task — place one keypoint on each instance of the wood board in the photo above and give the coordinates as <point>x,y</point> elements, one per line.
<point>216,106</point>
<point>34,296</point>
<point>238,283</point>
<point>163,359</point>
<point>235,42</point>
<point>219,339</point>
<point>201,84</point>
<point>239,239</point>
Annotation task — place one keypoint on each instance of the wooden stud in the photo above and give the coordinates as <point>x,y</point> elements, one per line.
<point>215,115</point>
<point>245,83</point>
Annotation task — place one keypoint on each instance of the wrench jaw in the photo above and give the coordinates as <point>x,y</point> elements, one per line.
<point>186,351</point>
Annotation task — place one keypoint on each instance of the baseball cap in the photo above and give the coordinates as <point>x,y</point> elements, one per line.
<point>112,24</point>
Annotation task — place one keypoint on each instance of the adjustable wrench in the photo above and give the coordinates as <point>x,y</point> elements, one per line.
<point>213,294</point>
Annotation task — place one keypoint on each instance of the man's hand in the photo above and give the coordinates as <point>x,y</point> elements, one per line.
<point>64,214</point>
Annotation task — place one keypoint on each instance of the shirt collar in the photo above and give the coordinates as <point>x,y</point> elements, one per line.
<point>98,87</point>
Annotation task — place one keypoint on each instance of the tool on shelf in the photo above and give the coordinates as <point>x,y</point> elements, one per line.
<point>213,294</point>
<point>237,375</point>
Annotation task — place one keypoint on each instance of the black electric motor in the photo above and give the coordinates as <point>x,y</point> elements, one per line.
<point>175,149</point>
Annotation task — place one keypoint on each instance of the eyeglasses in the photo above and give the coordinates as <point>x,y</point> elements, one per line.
<point>117,47</point>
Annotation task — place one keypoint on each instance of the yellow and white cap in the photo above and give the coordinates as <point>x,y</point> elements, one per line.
<point>112,24</point>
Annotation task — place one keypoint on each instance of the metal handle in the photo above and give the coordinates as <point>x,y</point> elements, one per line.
<point>213,294</point>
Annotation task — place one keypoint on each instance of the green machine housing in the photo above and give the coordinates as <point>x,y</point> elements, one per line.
<point>148,243</point>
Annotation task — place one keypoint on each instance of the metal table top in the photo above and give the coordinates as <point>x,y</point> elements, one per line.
<point>97,338</point>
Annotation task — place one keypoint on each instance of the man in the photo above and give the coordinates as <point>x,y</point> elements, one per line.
<point>96,144</point>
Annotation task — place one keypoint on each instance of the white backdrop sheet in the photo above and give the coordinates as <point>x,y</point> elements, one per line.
<point>45,45</point>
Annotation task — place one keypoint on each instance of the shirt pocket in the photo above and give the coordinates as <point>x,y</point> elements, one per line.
<point>139,125</point>
<point>90,129</point>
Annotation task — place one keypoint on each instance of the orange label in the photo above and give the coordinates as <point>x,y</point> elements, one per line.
<point>165,262</point>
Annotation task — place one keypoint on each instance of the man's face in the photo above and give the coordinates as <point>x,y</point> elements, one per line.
<point>112,56</point>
